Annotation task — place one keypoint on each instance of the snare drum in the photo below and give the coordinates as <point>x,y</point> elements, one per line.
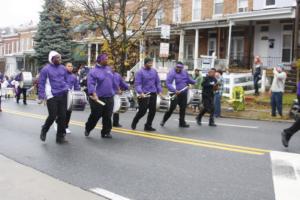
<point>26,81</point>
<point>194,97</point>
<point>121,104</point>
<point>162,104</point>
<point>76,100</point>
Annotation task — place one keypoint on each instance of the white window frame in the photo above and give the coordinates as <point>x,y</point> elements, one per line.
<point>239,6</point>
<point>270,6</point>
<point>198,9</point>
<point>176,11</point>
<point>214,7</point>
<point>142,14</point>
<point>159,16</point>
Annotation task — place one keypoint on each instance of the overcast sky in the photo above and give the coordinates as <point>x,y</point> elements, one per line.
<point>16,12</point>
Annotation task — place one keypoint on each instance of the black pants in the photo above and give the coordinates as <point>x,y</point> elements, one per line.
<point>116,119</point>
<point>256,79</point>
<point>208,106</point>
<point>98,111</point>
<point>68,117</point>
<point>57,109</point>
<point>293,129</point>
<point>181,100</point>
<point>23,92</point>
<point>144,105</point>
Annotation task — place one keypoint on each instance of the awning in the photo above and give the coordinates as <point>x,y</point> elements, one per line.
<point>267,14</point>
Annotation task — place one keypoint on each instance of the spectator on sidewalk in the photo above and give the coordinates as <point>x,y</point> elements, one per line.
<point>197,76</point>
<point>277,89</point>
<point>257,74</point>
<point>218,93</point>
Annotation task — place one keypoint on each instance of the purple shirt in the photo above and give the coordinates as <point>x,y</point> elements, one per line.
<point>120,82</point>
<point>181,79</point>
<point>18,77</point>
<point>72,81</point>
<point>101,80</point>
<point>57,76</point>
<point>147,80</point>
<point>298,89</point>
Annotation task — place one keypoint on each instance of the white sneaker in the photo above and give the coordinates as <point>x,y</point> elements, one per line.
<point>68,131</point>
<point>55,126</point>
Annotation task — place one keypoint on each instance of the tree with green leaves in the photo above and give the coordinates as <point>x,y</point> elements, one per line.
<point>53,32</point>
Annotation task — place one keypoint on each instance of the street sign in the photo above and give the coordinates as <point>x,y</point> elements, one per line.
<point>165,31</point>
<point>164,50</point>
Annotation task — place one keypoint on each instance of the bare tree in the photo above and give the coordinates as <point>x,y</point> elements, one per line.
<point>121,22</point>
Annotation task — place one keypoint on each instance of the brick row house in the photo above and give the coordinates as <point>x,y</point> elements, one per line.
<point>16,50</point>
<point>235,30</point>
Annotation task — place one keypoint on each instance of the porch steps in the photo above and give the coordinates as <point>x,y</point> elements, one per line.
<point>290,84</point>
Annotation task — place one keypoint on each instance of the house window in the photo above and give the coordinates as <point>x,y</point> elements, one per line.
<point>270,2</point>
<point>242,5</point>
<point>264,29</point>
<point>144,15</point>
<point>196,10</point>
<point>218,7</point>
<point>176,11</point>
<point>286,47</point>
<point>159,17</point>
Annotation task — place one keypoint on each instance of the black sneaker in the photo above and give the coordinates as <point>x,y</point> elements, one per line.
<point>43,136</point>
<point>108,135</point>
<point>149,129</point>
<point>198,120</point>
<point>212,124</point>
<point>284,139</point>
<point>117,125</point>
<point>133,126</point>
<point>184,125</point>
<point>61,140</point>
<point>86,133</point>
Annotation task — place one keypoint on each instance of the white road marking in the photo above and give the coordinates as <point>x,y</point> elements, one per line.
<point>223,124</point>
<point>107,194</point>
<point>286,175</point>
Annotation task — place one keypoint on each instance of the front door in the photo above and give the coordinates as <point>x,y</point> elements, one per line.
<point>212,46</point>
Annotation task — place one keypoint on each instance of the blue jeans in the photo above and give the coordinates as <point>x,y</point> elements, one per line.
<point>276,103</point>
<point>217,102</point>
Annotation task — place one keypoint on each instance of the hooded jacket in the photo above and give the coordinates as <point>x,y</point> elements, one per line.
<point>53,79</point>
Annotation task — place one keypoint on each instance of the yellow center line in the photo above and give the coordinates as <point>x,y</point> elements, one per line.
<point>163,137</point>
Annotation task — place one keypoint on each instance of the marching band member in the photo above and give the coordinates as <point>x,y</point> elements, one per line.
<point>209,85</point>
<point>20,89</point>
<point>101,89</point>
<point>147,85</point>
<point>53,87</point>
<point>73,84</point>
<point>121,87</point>
<point>182,80</point>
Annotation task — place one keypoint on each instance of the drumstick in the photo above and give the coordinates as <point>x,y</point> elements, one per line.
<point>98,101</point>
<point>146,95</point>
<point>183,89</point>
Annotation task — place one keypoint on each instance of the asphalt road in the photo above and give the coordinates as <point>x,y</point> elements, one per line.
<point>230,161</point>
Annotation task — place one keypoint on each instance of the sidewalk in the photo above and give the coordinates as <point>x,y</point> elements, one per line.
<point>18,182</point>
